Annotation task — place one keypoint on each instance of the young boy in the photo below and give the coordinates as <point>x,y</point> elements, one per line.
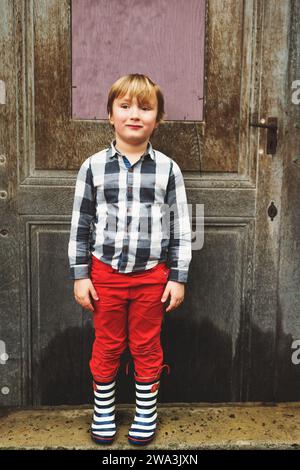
<point>120,202</point>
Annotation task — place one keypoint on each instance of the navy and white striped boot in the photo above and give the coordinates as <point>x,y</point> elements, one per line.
<point>143,428</point>
<point>103,428</point>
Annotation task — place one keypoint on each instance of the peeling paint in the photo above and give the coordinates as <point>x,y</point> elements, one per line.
<point>2,92</point>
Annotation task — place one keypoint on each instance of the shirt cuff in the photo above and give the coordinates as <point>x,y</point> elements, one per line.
<point>178,275</point>
<point>81,271</point>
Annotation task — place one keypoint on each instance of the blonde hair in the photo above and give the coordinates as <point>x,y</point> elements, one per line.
<point>139,86</point>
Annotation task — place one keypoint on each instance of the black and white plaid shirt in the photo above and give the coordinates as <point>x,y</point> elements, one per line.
<point>120,214</point>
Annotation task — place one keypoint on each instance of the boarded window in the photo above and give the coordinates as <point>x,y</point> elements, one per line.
<point>163,39</point>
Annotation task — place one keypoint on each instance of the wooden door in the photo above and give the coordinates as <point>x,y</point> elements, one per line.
<point>233,337</point>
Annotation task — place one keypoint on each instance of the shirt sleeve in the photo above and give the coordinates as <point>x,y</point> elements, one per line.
<point>82,216</point>
<point>180,246</point>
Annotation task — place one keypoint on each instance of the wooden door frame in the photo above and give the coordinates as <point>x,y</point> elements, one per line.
<point>28,185</point>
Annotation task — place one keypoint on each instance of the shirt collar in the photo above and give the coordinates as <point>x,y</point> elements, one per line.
<point>112,151</point>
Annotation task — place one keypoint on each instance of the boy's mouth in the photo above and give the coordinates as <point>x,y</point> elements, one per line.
<point>134,127</point>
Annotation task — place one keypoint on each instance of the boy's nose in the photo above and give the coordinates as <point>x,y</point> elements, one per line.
<point>134,112</point>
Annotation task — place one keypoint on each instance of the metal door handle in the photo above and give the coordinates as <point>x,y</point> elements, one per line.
<point>272,127</point>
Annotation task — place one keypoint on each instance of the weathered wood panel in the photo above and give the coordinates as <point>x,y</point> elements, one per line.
<point>61,333</point>
<point>56,326</point>
<point>287,374</point>
<point>265,318</point>
<point>10,321</point>
<point>222,111</point>
<point>211,344</point>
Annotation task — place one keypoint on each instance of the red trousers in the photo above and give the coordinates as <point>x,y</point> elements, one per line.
<point>129,311</point>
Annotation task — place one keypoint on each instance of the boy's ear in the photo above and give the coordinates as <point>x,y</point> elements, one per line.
<point>109,118</point>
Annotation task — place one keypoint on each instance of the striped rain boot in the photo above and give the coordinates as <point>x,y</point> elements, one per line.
<point>143,428</point>
<point>103,428</point>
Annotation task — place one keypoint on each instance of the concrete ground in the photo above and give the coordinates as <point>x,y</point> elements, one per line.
<point>180,426</point>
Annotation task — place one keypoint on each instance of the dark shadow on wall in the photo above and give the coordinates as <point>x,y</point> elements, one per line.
<point>200,360</point>
<point>62,376</point>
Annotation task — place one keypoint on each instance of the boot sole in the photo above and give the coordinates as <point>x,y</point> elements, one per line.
<point>102,440</point>
<point>140,442</point>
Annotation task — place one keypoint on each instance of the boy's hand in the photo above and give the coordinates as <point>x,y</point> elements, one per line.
<point>82,288</point>
<point>176,289</point>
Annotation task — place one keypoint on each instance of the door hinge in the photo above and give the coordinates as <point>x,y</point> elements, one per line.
<point>272,130</point>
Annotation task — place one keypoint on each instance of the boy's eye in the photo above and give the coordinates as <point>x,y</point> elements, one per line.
<point>144,107</point>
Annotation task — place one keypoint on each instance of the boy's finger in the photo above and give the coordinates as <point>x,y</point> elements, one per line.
<point>87,304</point>
<point>94,294</point>
<point>165,296</point>
<point>171,306</point>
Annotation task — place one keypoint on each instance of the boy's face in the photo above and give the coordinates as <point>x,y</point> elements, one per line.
<point>128,113</point>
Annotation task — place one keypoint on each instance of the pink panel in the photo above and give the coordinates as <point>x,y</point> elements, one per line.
<point>163,39</point>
